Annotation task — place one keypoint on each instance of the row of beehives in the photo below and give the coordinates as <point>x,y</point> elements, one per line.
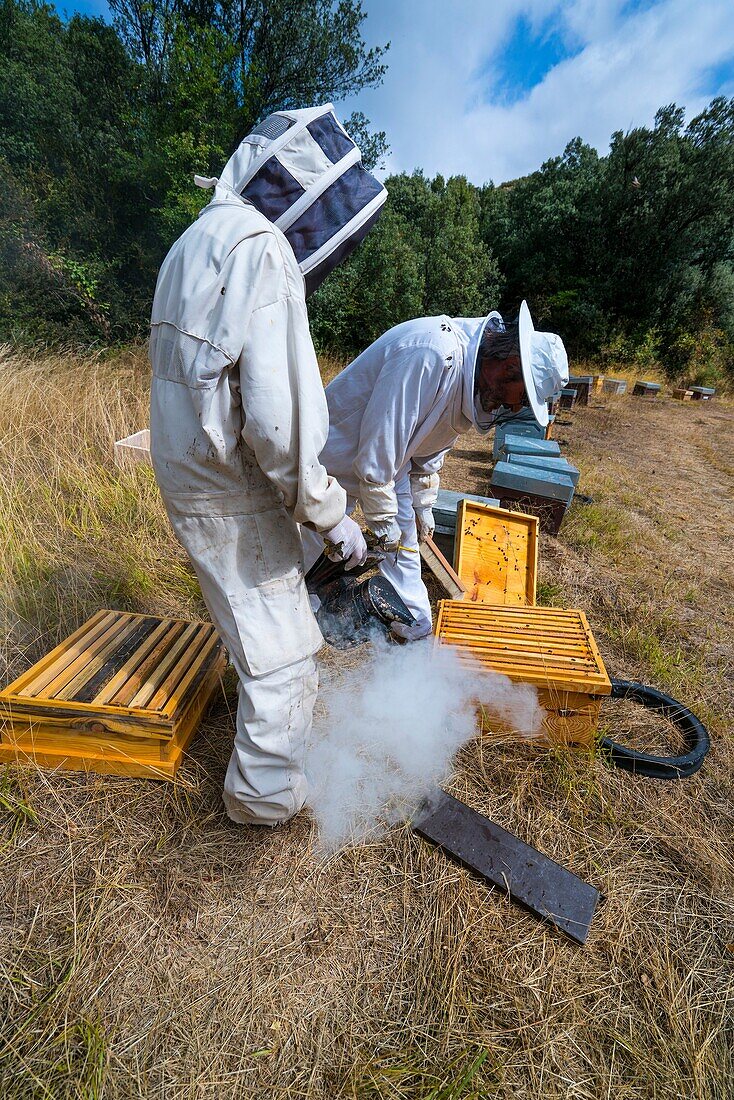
<point>497,622</point>
<point>581,387</point>
<point>530,472</point>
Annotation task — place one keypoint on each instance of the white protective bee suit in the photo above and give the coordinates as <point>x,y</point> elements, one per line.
<point>238,418</point>
<point>394,413</point>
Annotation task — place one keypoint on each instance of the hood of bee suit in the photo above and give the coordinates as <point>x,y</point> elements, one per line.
<point>305,174</point>
<point>470,331</point>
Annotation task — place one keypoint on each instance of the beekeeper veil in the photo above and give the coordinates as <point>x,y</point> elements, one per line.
<point>511,368</point>
<point>304,173</point>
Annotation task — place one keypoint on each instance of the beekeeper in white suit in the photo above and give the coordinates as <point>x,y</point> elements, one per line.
<point>239,417</point>
<point>396,411</point>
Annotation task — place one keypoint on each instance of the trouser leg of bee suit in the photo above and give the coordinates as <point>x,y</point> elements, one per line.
<point>249,567</point>
<point>265,781</point>
<point>403,569</point>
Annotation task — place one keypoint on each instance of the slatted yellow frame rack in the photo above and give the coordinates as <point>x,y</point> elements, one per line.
<point>548,647</point>
<point>122,695</point>
<point>496,554</point>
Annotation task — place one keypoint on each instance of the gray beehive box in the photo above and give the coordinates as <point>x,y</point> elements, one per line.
<point>523,424</point>
<point>614,385</point>
<point>444,511</point>
<point>545,462</point>
<point>524,445</point>
<point>533,481</point>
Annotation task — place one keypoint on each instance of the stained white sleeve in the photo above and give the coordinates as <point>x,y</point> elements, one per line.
<point>404,393</point>
<point>432,464</point>
<point>286,420</point>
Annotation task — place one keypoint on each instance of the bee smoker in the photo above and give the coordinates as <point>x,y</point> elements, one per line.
<point>354,607</point>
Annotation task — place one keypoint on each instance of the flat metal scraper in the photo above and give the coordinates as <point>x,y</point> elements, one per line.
<point>530,878</point>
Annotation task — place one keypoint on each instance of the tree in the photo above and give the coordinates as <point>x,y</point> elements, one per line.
<point>65,94</point>
<point>381,285</point>
<point>104,128</point>
<point>546,231</point>
<point>462,276</point>
<point>275,54</point>
<point>670,196</point>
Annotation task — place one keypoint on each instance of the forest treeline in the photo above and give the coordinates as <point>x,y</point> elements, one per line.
<point>630,256</point>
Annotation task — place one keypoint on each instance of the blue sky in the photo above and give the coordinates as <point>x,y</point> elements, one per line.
<point>491,88</point>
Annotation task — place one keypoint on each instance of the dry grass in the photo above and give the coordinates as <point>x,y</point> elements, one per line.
<point>151,949</point>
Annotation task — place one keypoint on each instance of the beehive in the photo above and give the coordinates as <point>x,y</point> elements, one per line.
<point>548,647</point>
<point>583,384</point>
<point>496,554</point>
<point>539,492</point>
<point>646,389</point>
<point>541,462</point>
<point>526,445</point>
<point>122,695</point>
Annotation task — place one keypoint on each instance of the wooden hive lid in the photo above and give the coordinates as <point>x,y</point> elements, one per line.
<point>138,666</point>
<point>545,646</point>
<point>496,554</point>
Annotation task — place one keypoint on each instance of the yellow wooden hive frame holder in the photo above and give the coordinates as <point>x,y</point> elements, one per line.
<point>122,695</point>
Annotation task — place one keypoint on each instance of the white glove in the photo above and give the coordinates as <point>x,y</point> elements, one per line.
<point>347,543</point>
<point>387,531</point>
<point>420,629</point>
<point>424,490</point>
<point>426,524</point>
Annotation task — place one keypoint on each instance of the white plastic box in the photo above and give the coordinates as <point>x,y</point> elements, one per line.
<point>133,449</point>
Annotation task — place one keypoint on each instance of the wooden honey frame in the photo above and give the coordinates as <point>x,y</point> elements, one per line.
<point>550,648</point>
<point>123,694</point>
<point>496,554</point>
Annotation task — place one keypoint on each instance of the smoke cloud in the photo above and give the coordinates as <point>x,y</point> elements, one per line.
<point>386,733</point>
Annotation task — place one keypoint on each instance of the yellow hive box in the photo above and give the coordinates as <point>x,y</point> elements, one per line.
<point>496,554</point>
<point>548,647</point>
<point>122,695</point>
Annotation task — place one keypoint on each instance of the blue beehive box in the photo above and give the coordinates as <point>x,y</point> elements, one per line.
<point>533,479</point>
<point>523,424</point>
<point>534,490</point>
<point>543,462</point>
<point>524,445</point>
<point>444,511</point>
<point>544,494</point>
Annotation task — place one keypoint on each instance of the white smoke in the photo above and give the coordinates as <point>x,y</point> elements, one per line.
<point>389,729</point>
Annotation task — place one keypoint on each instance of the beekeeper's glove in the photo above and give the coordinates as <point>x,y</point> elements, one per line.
<point>346,542</point>
<point>424,490</point>
<point>387,534</point>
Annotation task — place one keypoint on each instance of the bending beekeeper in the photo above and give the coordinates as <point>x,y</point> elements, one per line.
<point>239,417</point>
<point>396,411</point>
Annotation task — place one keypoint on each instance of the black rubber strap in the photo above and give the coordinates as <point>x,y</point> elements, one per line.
<point>694,733</point>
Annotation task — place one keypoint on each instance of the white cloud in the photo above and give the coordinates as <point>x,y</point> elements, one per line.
<point>436,101</point>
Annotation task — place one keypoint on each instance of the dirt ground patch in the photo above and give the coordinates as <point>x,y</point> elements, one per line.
<point>152,949</point>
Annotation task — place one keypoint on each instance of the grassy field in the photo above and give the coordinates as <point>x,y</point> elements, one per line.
<point>152,949</point>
